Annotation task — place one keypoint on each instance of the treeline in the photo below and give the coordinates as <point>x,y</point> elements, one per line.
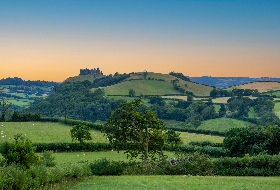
<point>180,76</point>
<point>109,80</point>
<point>218,92</point>
<point>18,81</point>
<point>80,102</point>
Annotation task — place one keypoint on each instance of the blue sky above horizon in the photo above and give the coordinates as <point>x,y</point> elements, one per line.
<point>53,39</point>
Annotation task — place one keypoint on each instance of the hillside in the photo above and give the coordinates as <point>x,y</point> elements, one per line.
<point>260,86</point>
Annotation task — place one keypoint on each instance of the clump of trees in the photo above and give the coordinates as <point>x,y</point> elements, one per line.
<point>253,140</point>
<point>139,133</point>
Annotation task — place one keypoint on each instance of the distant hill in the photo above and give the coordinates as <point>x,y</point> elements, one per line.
<point>223,82</point>
<point>151,84</point>
<point>260,86</point>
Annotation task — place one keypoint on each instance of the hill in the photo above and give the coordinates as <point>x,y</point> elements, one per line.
<point>260,86</point>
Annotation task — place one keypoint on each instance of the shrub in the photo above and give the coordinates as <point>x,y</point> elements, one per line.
<point>107,167</point>
<point>20,152</point>
<point>47,159</point>
<point>260,165</point>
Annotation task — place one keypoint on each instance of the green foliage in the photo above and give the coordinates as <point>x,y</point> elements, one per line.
<point>37,176</point>
<point>137,132</point>
<point>107,167</point>
<point>182,164</point>
<point>260,165</point>
<point>180,76</point>
<point>131,93</point>
<point>20,152</point>
<point>80,133</point>
<point>4,108</point>
<point>254,140</point>
<point>209,150</point>
<point>24,117</point>
<point>47,159</point>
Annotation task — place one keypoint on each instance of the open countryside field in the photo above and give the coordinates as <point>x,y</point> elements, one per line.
<point>260,86</point>
<point>141,87</point>
<point>49,132</point>
<point>277,109</point>
<point>178,182</point>
<point>222,124</point>
<point>44,132</point>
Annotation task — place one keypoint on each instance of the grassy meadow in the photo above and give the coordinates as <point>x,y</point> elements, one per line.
<point>277,109</point>
<point>49,132</point>
<point>222,124</point>
<point>44,132</point>
<point>178,182</point>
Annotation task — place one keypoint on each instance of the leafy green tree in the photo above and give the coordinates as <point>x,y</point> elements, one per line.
<point>81,133</point>
<point>222,110</point>
<point>20,152</point>
<point>4,107</point>
<point>139,133</point>
<point>131,93</point>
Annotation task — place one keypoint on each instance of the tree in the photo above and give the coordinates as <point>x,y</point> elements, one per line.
<point>20,152</point>
<point>222,110</point>
<point>139,133</point>
<point>5,106</point>
<point>81,133</point>
<point>131,93</point>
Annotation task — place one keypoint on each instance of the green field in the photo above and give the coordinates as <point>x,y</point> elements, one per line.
<point>19,102</point>
<point>49,132</point>
<point>179,182</point>
<point>141,87</point>
<point>222,124</point>
<point>277,108</point>
<point>44,132</point>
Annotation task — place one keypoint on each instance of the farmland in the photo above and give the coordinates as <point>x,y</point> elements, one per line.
<point>222,124</point>
<point>260,86</point>
<point>48,132</point>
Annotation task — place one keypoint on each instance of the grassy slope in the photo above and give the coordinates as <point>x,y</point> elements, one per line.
<point>178,182</point>
<point>148,87</point>
<point>222,124</point>
<point>277,108</point>
<point>145,87</point>
<point>261,86</point>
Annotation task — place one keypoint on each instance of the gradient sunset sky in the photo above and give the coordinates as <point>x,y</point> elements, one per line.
<point>53,39</point>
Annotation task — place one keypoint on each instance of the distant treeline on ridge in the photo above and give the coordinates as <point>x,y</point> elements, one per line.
<point>18,81</point>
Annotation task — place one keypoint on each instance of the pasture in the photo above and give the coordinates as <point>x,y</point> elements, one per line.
<point>44,132</point>
<point>222,124</point>
<point>141,87</point>
<point>260,86</point>
<point>277,109</point>
<point>178,182</point>
<point>50,132</point>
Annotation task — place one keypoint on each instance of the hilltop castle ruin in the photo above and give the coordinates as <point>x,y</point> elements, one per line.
<point>94,72</point>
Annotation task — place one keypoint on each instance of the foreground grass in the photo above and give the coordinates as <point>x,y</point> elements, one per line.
<point>222,124</point>
<point>178,182</point>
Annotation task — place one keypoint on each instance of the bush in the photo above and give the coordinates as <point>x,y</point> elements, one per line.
<point>107,167</point>
<point>182,164</point>
<point>261,165</point>
<point>47,159</point>
<point>20,152</point>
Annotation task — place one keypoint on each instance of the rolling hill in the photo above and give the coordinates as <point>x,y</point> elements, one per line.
<point>260,86</point>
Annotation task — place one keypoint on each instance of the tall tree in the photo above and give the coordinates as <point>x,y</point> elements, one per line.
<point>139,133</point>
<point>5,107</point>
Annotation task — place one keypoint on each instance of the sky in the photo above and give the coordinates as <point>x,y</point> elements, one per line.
<point>53,39</point>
